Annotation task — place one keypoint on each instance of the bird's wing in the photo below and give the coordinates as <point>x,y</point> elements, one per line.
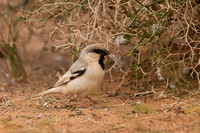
<point>76,70</point>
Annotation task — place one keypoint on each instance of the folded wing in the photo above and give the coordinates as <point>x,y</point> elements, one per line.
<point>75,71</point>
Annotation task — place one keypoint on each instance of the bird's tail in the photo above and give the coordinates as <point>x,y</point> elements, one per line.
<point>50,91</point>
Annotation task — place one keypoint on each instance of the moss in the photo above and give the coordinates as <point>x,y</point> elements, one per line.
<point>193,109</point>
<point>143,108</point>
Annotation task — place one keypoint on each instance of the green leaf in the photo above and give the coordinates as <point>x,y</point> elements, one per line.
<point>143,108</point>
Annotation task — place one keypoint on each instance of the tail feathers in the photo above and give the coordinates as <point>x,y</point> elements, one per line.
<point>50,91</point>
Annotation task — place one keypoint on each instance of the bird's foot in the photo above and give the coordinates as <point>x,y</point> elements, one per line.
<point>36,98</point>
<point>94,102</point>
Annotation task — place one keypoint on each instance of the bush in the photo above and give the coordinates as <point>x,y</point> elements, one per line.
<point>157,39</point>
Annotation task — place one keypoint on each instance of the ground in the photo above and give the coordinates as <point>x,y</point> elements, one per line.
<point>124,112</point>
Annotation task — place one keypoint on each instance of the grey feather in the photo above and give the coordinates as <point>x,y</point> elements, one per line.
<point>76,70</point>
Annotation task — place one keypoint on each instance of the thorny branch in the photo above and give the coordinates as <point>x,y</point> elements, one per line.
<point>164,34</point>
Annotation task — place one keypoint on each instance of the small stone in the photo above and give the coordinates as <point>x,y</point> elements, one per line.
<point>138,102</point>
<point>45,104</point>
<point>172,86</point>
<point>185,71</point>
<point>39,116</point>
<point>95,107</point>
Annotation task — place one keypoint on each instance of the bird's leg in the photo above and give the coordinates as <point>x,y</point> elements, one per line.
<point>41,98</point>
<point>91,100</point>
<point>78,100</point>
<point>76,97</point>
<point>32,99</point>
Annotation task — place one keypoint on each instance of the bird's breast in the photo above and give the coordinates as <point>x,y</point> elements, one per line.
<point>95,71</point>
<point>87,83</point>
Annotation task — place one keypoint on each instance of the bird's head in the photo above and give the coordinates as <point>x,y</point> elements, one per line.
<point>94,52</point>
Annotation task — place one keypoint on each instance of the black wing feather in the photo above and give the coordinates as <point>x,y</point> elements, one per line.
<point>76,70</point>
<point>77,74</point>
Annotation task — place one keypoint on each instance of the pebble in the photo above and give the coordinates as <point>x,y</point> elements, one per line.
<point>95,107</point>
<point>172,86</point>
<point>39,116</point>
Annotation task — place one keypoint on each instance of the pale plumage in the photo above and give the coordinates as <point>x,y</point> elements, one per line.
<point>84,76</point>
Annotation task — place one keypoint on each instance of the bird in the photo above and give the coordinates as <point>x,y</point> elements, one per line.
<point>84,76</point>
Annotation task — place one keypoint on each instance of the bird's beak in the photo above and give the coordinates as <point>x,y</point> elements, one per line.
<point>106,52</point>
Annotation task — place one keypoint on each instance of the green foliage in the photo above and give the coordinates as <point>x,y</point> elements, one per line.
<point>193,109</point>
<point>46,121</point>
<point>26,116</point>
<point>8,124</point>
<point>143,108</point>
<point>8,46</point>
